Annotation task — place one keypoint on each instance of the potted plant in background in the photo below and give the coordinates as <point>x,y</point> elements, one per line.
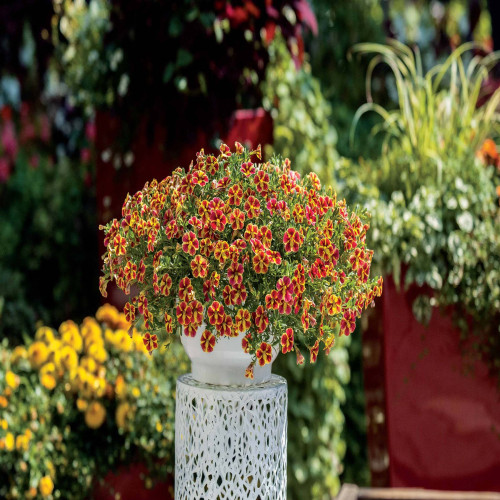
<point>237,252</point>
<point>436,235</point>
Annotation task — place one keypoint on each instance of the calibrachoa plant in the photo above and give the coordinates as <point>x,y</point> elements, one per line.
<point>236,246</point>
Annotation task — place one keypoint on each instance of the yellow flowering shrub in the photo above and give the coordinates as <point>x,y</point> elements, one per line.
<point>69,391</point>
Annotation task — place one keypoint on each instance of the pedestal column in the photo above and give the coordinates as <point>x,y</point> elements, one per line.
<point>230,442</point>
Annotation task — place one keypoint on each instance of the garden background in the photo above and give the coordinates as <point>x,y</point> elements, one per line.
<point>98,97</point>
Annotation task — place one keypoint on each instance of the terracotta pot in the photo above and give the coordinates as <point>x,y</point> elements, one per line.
<point>442,421</point>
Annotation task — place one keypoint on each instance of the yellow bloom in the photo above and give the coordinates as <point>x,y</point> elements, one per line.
<point>122,322</point>
<point>51,468</point>
<point>136,392</point>
<point>97,351</point>
<point>48,381</point>
<point>48,369</point>
<point>68,326</point>
<point>9,441</point>
<point>123,413</point>
<point>22,442</point>
<point>99,386</point>
<point>107,314</point>
<point>85,383</point>
<point>89,364</point>
<point>31,493</point>
<point>159,427</point>
<point>37,354</point>
<point>12,380</point>
<point>45,334</point>
<point>48,374</point>
<point>95,415</point>
<point>81,404</point>
<point>120,387</point>
<point>90,327</point>
<point>71,336</point>
<point>4,424</point>
<point>3,402</point>
<point>69,358</point>
<point>54,352</point>
<point>123,341</point>
<point>18,353</point>
<point>109,336</point>
<point>46,486</point>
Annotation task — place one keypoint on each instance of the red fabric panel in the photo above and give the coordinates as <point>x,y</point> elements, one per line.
<point>443,424</point>
<point>129,482</point>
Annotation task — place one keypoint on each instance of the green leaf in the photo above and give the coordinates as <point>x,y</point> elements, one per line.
<point>465,222</point>
<point>168,73</point>
<point>184,58</point>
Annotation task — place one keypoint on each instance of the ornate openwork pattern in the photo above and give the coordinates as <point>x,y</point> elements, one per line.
<point>230,442</point>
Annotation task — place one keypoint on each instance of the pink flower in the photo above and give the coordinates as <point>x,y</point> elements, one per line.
<point>9,141</point>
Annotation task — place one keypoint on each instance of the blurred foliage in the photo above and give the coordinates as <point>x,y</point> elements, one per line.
<point>315,422</point>
<point>356,468</point>
<point>438,25</point>
<point>195,61</point>
<point>302,131</point>
<point>25,46</point>
<point>80,401</point>
<point>432,194</point>
<point>342,24</point>
<point>48,229</point>
<point>300,115</point>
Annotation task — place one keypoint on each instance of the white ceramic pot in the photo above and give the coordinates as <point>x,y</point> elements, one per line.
<point>226,364</point>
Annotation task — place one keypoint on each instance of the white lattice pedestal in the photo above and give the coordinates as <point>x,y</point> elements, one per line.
<point>230,442</point>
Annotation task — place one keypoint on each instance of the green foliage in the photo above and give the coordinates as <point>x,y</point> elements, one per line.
<point>434,208</point>
<point>149,60</point>
<point>341,25</point>
<point>356,469</point>
<point>301,115</point>
<point>46,256</point>
<point>315,422</point>
<point>433,25</point>
<point>302,130</point>
<point>437,115</point>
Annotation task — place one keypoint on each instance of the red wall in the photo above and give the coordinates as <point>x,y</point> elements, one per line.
<point>443,424</point>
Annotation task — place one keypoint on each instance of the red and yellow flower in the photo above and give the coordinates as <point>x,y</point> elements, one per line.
<point>287,341</point>
<point>215,313</point>
<point>242,321</point>
<point>292,240</point>
<point>190,243</point>
<point>199,267</point>
<point>264,353</point>
<point>207,341</point>
<point>150,341</point>
<point>252,234</point>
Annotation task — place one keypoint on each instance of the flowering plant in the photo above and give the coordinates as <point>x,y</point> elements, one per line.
<point>239,246</point>
<point>69,390</point>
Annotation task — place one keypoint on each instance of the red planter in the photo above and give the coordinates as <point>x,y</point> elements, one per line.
<point>129,483</point>
<point>442,425</point>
